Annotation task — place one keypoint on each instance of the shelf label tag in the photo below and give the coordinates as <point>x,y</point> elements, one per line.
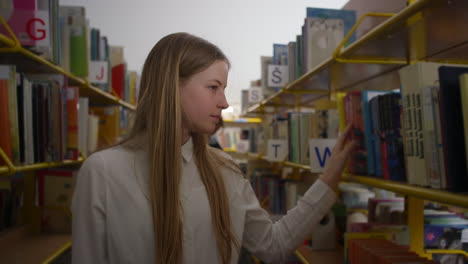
<point>98,71</point>
<point>278,75</point>
<point>320,152</point>
<point>277,149</point>
<point>242,146</point>
<point>255,95</point>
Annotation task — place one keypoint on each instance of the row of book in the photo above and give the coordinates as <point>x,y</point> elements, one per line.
<point>423,128</point>
<point>238,139</point>
<point>53,198</point>
<point>415,134</point>
<point>276,194</point>
<point>43,119</point>
<point>54,195</point>
<point>322,32</point>
<point>63,35</point>
<point>386,219</point>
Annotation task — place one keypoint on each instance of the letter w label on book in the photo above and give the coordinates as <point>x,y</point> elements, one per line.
<point>320,153</point>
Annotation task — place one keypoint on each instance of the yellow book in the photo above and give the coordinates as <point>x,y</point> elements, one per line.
<point>109,124</point>
<point>464,99</point>
<point>341,110</point>
<point>133,83</point>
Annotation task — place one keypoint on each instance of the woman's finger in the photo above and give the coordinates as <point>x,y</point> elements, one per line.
<point>342,137</point>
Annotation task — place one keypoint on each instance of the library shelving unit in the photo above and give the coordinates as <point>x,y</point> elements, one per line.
<point>241,123</point>
<point>25,244</point>
<point>426,30</point>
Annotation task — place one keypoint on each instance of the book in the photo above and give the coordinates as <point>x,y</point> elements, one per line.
<point>30,21</point>
<point>75,16</point>
<point>453,136</point>
<point>348,17</point>
<point>72,122</point>
<point>5,139</point>
<point>368,134</point>
<point>55,191</point>
<point>354,116</point>
<point>464,105</point>
<point>413,79</point>
<point>322,37</point>
<point>83,125</point>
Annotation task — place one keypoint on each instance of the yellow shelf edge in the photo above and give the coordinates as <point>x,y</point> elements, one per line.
<point>440,196</point>
<point>341,58</point>
<point>44,165</point>
<point>301,257</point>
<point>3,169</point>
<point>58,253</point>
<point>80,81</point>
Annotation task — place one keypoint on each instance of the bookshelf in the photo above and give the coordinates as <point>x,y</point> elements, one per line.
<point>24,242</point>
<point>26,61</point>
<point>376,57</point>
<point>426,30</point>
<point>460,200</point>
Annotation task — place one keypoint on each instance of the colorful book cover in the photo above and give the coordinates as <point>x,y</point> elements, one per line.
<point>322,38</point>
<point>109,124</point>
<point>5,139</point>
<point>12,110</point>
<point>392,137</point>
<point>366,110</point>
<point>348,17</point>
<point>353,115</point>
<point>280,54</point>
<point>72,122</point>
<point>374,111</point>
<point>118,80</point>
<point>76,18</point>
<point>29,24</point>
<point>55,191</point>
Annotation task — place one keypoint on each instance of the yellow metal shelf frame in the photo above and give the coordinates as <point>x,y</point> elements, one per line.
<point>14,53</point>
<point>374,59</point>
<point>455,199</point>
<point>10,169</point>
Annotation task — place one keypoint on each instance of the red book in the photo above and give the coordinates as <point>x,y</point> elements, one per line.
<point>118,80</point>
<point>5,137</point>
<point>72,123</point>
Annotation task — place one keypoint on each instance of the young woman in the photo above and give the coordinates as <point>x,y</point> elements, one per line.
<point>164,196</point>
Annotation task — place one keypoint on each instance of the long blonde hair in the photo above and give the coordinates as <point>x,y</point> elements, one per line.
<point>172,61</point>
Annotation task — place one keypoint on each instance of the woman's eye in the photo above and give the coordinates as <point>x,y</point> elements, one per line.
<point>213,87</point>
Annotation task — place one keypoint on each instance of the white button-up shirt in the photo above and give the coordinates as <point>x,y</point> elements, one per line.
<point>112,218</point>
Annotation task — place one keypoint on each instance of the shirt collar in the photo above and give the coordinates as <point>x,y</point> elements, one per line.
<point>187,150</point>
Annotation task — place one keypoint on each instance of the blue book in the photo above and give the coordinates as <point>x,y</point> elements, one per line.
<point>348,16</point>
<point>280,54</point>
<point>368,134</point>
<point>374,114</point>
